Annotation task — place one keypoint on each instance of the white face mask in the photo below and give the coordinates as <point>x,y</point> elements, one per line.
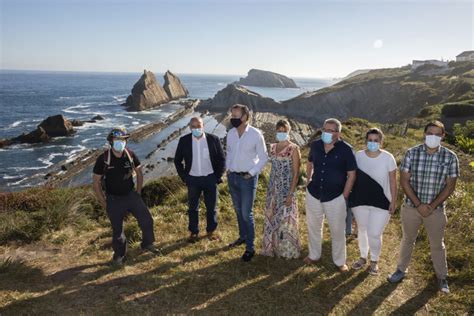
<point>432,141</point>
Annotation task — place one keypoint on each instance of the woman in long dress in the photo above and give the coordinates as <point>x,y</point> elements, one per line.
<point>280,233</point>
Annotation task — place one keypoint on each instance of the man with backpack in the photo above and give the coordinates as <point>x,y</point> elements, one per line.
<point>113,172</point>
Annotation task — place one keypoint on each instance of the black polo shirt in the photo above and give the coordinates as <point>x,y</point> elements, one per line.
<point>119,174</point>
<point>330,169</point>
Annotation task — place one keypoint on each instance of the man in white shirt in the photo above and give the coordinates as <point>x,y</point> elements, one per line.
<point>246,157</point>
<point>204,165</point>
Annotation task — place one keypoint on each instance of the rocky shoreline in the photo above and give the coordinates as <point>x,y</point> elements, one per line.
<point>64,171</point>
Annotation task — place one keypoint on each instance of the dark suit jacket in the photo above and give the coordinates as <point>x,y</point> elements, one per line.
<point>185,152</point>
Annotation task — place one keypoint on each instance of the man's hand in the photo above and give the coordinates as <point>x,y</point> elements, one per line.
<point>247,176</point>
<point>346,195</point>
<point>425,210</point>
<point>103,203</point>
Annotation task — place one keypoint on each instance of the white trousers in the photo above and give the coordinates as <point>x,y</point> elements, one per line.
<point>371,223</point>
<point>335,212</point>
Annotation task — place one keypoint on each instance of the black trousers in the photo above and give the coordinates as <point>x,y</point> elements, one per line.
<point>117,208</point>
<point>196,186</point>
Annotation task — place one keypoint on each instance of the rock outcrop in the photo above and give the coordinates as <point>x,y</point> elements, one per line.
<point>56,126</point>
<point>263,78</point>
<point>146,93</point>
<point>39,135</point>
<point>173,86</point>
<point>233,94</point>
<point>53,126</point>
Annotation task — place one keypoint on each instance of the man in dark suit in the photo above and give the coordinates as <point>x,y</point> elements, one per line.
<point>202,170</point>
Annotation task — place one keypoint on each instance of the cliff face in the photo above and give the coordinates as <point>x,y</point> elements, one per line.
<point>262,78</point>
<point>384,95</point>
<point>146,93</point>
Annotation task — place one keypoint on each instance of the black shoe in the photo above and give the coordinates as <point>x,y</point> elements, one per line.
<point>153,249</point>
<point>248,255</point>
<point>118,260</point>
<point>237,242</point>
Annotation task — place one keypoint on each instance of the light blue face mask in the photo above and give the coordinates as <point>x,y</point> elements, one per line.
<point>281,136</point>
<point>326,137</point>
<point>119,145</point>
<point>197,132</point>
<point>373,146</point>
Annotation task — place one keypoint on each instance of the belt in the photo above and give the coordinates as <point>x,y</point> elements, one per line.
<point>240,173</point>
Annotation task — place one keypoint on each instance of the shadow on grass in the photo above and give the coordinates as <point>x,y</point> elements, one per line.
<point>265,285</point>
<point>372,301</point>
<point>411,306</point>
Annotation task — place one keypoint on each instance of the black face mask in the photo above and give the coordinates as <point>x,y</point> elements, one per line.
<point>236,122</point>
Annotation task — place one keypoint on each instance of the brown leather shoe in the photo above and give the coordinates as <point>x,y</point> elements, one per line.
<point>309,261</point>
<point>343,268</point>
<point>193,238</point>
<point>213,236</point>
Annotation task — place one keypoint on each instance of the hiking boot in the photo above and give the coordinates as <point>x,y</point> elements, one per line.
<point>443,286</point>
<point>396,277</point>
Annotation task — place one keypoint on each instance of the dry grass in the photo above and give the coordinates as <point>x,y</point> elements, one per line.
<point>66,272</point>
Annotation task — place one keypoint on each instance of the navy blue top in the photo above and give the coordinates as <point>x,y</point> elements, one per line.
<point>330,169</point>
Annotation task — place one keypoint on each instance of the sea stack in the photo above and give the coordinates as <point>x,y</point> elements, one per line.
<point>146,93</point>
<point>268,79</point>
<point>173,86</point>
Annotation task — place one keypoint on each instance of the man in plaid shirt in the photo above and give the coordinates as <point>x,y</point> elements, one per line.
<point>428,176</point>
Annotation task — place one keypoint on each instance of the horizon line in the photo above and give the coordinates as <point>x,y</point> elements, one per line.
<point>160,72</point>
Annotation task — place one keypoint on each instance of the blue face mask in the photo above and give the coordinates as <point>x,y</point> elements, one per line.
<point>119,145</point>
<point>373,146</point>
<point>326,137</point>
<point>197,132</point>
<point>281,136</point>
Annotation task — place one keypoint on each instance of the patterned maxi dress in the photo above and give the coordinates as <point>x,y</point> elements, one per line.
<point>280,231</point>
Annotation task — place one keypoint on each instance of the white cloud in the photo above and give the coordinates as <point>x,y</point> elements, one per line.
<point>378,44</point>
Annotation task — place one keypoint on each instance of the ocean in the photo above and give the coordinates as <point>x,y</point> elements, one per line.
<point>28,97</point>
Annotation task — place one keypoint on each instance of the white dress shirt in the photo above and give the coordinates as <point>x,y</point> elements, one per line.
<point>201,165</point>
<point>246,153</point>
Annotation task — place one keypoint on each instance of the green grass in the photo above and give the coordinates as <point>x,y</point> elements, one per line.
<point>64,269</point>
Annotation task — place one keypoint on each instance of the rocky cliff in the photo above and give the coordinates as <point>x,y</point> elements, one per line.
<point>146,93</point>
<point>381,95</point>
<point>173,86</point>
<point>263,78</point>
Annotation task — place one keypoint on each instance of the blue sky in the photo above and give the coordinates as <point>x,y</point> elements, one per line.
<point>296,38</point>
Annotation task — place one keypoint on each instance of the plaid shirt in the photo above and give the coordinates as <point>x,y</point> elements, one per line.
<point>428,172</point>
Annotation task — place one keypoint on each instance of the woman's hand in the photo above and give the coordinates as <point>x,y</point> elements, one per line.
<point>392,208</point>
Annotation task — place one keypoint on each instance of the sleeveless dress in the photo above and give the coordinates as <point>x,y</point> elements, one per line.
<point>280,231</point>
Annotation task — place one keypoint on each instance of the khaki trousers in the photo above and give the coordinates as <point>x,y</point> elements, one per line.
<point>435,225</point>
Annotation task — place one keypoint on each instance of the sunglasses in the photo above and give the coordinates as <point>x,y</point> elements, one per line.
<point>119,134</point>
